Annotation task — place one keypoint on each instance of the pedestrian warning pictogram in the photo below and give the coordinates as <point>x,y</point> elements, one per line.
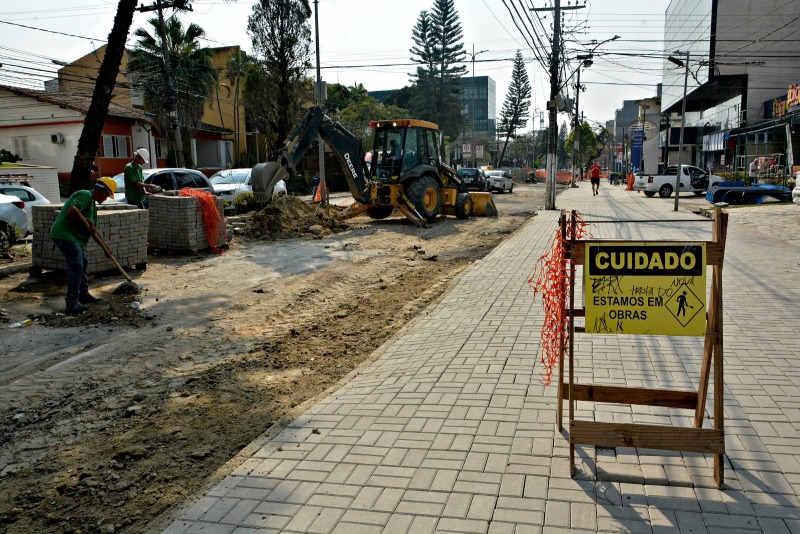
<point>645,288</point>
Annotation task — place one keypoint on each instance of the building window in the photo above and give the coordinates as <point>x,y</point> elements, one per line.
<point>21,147</point>
<point>161,148</point>
<point>115,146</point>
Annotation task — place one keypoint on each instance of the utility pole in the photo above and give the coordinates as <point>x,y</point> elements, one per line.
<point>586,62</point>
<point>552,145</point>
<point>320,101</point>
<point>678,178</point>
<point>172,98</point>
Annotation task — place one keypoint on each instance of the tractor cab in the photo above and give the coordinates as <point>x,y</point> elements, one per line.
<point>401,147</point>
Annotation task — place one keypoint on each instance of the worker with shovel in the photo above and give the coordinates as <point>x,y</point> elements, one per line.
<point>70,235</point>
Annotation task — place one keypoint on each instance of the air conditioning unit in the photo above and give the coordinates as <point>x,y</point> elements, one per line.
<point>57,138</point>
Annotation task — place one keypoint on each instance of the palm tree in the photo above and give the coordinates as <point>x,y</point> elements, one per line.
<point>235,71</point>
<point>194,75</point>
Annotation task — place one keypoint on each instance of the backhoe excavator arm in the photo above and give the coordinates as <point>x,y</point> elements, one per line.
<point>346,147</point>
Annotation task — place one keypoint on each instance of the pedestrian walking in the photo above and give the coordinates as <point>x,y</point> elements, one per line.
<point>753,171</point>
<point>594,177</point>
<point>70,236</point>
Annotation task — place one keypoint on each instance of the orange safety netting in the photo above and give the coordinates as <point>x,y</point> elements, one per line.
<point>550,278</point>
<point>212,221</point>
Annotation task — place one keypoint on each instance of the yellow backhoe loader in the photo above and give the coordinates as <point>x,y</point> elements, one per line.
<point>406,172</point>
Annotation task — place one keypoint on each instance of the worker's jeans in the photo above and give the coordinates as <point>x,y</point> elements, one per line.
<point>77,267</point>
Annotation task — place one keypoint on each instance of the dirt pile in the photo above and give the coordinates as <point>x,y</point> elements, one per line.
<point>289,216</point>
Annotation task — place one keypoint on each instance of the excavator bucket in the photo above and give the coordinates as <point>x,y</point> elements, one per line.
<point>484,205</point>
<point>264,177</point>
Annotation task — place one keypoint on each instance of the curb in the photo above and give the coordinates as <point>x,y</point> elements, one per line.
<point>14,269</point>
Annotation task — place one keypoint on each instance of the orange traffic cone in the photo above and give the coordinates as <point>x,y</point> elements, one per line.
<point>322,191</point>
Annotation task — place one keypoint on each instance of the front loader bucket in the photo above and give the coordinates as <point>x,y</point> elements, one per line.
<point>484,205</point>
<point>264,177</point>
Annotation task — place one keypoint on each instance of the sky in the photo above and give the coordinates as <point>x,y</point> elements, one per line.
<point>368,42</point>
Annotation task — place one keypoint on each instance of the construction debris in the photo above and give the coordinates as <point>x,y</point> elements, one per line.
<point>288,216</point>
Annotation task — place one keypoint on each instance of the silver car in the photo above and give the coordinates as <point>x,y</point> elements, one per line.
<point>29,196</point>
<point>171,179</point>
<point>230,183</point>
<point>12,214</point>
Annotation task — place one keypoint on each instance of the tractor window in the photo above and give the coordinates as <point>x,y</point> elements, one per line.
<point>428,146</point>
<point>388,152</point>
<point>411,155</point>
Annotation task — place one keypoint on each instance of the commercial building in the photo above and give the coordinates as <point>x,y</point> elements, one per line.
<point>734,55</point>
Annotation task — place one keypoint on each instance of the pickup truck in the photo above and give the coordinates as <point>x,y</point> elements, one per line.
<point>693,180</point>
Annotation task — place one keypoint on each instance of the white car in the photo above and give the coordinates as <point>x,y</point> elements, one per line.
<point>693,180</point>
<point>12,214</point>
<point>29,196</point>
<point>796,190</point>
<point>230,183</point>
<point>499,181</point>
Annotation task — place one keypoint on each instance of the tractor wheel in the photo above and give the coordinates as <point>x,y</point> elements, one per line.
<point>380,212</point>
<point>665,191</point>
<point>464,206</point>
<point>649,194</point>
<point>424,193</point>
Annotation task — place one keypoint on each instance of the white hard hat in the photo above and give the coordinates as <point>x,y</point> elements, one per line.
<point>143,153</point>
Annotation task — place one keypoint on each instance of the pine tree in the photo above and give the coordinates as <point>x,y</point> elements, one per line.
<point>440,57</point>
<point>514,115</point>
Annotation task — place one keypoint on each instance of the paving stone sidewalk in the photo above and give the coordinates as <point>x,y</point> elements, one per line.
<point>450,429</point>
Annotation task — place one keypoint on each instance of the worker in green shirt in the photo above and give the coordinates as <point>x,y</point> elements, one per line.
<point>135,187</point>
<point>70,236</point>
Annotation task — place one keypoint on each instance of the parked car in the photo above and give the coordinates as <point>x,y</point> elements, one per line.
<point>693,180</point>
<point>29,196</point>
<point>499,181</point>
<point>12,213</point>
<point>474,179</point>
<point>230,183</point>
<point>796,190</point>
<point>167,180</point>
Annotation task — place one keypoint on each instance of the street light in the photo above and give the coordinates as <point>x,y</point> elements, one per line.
<point>685,64</point>
<point>585,63</point>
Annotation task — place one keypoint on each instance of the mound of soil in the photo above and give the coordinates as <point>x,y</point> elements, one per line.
<point>113,310</point>
<point>289,216</point>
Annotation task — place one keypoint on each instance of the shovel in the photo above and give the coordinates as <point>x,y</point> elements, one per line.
<point>128,287</point>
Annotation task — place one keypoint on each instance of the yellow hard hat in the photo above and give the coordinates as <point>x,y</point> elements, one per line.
<point>107,184</point>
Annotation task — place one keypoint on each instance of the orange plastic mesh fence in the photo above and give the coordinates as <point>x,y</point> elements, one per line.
<point>211,217</point>
<point>550,279</point>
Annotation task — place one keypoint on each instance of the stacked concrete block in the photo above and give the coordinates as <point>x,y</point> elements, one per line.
<point>176,224</point>
<point>124,229</point>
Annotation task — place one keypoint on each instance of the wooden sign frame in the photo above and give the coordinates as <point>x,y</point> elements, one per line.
<point>692,439</point>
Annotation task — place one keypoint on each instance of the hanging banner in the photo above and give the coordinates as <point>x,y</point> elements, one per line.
<point>645,288</point>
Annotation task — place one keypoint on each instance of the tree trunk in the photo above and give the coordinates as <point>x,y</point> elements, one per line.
<point>101,98</point>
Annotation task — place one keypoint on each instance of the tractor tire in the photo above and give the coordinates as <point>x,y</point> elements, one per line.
<point>649,194</point>
<point>425,195</point>
<point>380,212</point>
<point>464,206</point>
<point>665,191</point>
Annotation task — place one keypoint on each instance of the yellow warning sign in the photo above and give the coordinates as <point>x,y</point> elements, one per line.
<point>645,288</point>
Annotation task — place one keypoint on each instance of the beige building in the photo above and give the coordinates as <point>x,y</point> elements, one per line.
<point>222,116</point>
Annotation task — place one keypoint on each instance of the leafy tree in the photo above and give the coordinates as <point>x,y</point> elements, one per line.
<point>514,114</point>
<point>281,37</point>
<point>357,116</point>
<point>341,96</point>
<point>192,70</point>
<point>562,156</point>
<point>101,97</point>
<point>8,157</point>
<point>235,71</point>
<point>588,146</point>
<point>401,98</point>
<point>439,55</point>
